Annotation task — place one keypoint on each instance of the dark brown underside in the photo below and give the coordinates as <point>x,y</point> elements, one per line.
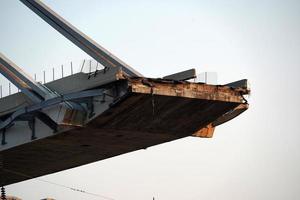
<point>138,122</point>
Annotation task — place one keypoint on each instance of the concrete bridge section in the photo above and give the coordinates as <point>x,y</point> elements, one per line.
<point>130,114</point>
<point>85,118</point>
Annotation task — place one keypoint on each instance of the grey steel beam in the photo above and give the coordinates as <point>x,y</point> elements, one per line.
<point>78,38</point>
<point>51,102</point>
<point>182,76</point>
<point>241,83</point>
<point>33,90</point>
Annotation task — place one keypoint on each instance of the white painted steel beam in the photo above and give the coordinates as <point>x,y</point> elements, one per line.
<point>93,49</point>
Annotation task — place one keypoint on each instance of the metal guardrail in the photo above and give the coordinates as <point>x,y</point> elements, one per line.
<point>52,74</point>
<point>84,66</point>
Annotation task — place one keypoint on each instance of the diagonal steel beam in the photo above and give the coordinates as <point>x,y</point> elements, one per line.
<point>20,79</point>
<point>93,49</point>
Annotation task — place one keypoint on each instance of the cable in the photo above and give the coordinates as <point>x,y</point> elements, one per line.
<point>59,185</point>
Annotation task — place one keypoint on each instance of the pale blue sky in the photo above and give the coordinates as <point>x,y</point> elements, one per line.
<point>255,156</point>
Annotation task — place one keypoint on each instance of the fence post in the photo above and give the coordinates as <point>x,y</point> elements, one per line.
<point>1,91</point>
<point>44,76</point>
<point>97,66</point>
<point>53,76</point>
<point>82,65</point>
<point>9,88</point>
<point>71,68</point>
<point>90,69</point>
<point>62,71</point>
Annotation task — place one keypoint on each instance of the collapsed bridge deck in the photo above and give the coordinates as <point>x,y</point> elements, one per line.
<point>84,118</point>
<point>150,112</point>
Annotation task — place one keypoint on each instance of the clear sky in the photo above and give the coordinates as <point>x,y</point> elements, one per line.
<point>255,156</point>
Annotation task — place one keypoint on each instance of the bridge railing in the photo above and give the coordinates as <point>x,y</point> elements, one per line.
<point>52,74</point>
<point>85,66</point>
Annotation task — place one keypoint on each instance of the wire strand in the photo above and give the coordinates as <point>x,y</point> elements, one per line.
<point>58,184</point>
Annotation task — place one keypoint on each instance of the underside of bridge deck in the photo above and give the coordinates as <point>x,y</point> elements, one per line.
<point>151,113</point>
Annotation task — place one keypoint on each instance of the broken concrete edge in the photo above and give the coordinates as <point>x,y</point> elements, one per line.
<point>183,89</point>
<point>187,89</point>
<point>195,90</point>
